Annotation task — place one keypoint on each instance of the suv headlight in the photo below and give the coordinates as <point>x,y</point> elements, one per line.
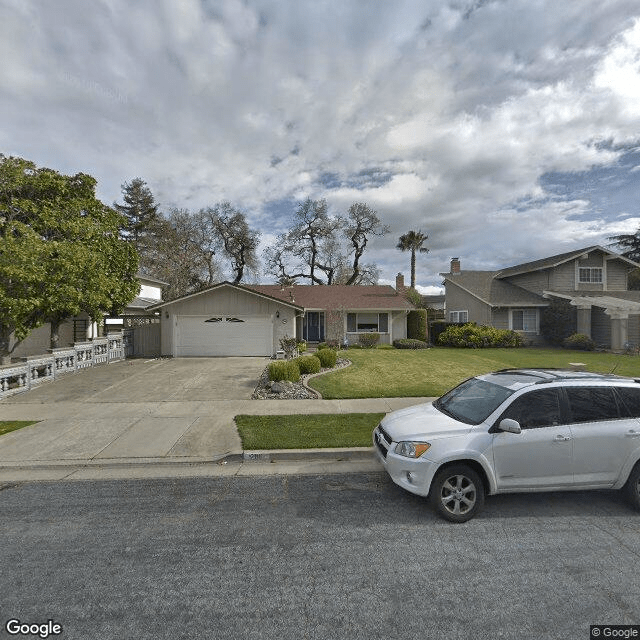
<point>411,449</point>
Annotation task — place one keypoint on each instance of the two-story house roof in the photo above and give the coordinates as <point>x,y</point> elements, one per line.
<point>592,279</point>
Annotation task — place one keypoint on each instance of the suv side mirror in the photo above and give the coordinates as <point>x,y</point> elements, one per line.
<point>512,426</point>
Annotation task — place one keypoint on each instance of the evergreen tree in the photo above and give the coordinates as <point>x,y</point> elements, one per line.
<point>140,211</point>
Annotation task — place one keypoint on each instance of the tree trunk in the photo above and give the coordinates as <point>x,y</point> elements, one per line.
<point>413,268</point>
<point>54,336</point>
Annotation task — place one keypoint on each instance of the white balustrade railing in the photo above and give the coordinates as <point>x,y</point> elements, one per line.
<point>34,370</point>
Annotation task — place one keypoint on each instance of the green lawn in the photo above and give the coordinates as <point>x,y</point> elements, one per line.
<point>388,373</point>
<point>13,425</point>
<point>307,431</point>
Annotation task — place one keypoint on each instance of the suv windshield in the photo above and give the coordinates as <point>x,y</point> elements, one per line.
<point>473,401</point>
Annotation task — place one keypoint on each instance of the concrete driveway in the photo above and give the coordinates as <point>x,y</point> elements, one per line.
<point>162,380</point>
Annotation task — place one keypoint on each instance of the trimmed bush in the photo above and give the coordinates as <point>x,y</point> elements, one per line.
<point>308,364</point>
<point>472,336</point>
<point>368,340</point>
<point>417,325</point>
<point>302,346</point>
<point>558,321</point>
<point>284,370</point>
<point>408,343</point>
<point>580,342</point>
<point>327,357</point>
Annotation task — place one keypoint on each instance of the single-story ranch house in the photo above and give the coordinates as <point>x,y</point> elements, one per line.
<point>229,319</point>
<point>594,280</point>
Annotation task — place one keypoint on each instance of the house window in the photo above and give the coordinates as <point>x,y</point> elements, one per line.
<point>587,275</point>
<point>458,316</point>
<point>365,322</point>
<point>524,320</point>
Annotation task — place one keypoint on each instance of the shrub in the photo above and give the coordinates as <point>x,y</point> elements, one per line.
<point>368,340</point>
<point>322,345</point>
<point>308,364</point>
<point>472,336</point>
<point>284,370</point>
<point>417,324</point>
<point>408,343</point>
<point>579,342</point>
<point>327,357</point>
<point>558,321</point>
<point>302,346</point>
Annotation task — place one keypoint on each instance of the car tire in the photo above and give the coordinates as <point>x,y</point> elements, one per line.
<point>632,486</point>
<point>457,493</point>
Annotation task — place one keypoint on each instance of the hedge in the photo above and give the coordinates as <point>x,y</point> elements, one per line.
<point>417,325</point>
<point>284,370</point>
<point>580,342</point>
<point>368,340</point>
<point>308,364</point>
<point>472,336</point>
<point>408,343</point>
<point>327,357</point>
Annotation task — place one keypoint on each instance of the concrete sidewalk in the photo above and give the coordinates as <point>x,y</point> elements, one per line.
<point>104,439</point>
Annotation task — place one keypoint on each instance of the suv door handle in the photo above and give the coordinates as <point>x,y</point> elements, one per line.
<point>632,434</point>
<point>561,438</point>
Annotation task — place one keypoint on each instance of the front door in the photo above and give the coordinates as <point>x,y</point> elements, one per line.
<point>314,331</point>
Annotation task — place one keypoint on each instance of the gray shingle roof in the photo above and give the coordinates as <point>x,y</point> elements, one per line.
<point>497,293</point>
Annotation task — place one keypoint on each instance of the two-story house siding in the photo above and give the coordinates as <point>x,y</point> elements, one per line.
<point>594,280</point>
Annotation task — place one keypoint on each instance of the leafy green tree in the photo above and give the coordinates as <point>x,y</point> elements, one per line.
<point>60,251</point>
<point>629,243</point>
<point>412,241</point>
<point>139,209</point>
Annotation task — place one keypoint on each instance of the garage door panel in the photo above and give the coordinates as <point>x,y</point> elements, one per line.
<point>223,336</point>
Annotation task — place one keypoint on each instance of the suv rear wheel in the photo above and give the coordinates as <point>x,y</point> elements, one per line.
<point>632,486</point>
<point>457,493</point>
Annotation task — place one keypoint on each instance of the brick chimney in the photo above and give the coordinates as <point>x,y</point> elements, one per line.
<point>455,265</point>
<point>400,288</point>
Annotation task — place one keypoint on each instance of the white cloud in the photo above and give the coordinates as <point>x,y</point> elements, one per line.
<point>460,108</point>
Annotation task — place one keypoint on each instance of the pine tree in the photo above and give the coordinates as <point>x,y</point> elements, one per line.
<point>139,209</point>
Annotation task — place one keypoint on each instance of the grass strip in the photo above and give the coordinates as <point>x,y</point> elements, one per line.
<point>6,426</point>
<point>316,431</point>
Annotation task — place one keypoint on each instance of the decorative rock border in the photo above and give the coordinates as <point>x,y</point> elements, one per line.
<point>292,390</point>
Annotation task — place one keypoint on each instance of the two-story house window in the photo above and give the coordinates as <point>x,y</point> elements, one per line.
<point>590,275</point>
<point>524,320</point>
<point>458,316</point>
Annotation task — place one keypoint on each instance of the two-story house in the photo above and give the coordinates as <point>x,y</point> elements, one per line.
<point>594,280</point>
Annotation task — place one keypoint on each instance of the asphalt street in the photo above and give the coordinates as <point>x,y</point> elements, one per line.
<point>318,556</point>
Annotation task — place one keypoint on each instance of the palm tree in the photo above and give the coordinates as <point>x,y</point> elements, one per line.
<point>413,241</point>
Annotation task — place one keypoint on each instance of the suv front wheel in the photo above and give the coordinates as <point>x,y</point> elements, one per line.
<point>632,486</point>
<point>457,493</point>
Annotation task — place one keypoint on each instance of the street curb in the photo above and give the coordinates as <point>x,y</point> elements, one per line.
<point>275,455</point>
<point>286,455</point>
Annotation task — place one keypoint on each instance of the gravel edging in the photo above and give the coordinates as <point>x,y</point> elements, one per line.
<point>293,390</point>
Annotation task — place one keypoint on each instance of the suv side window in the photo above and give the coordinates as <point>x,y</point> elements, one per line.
<point>535,409</point>
<point>630,400</point>
<point>592,404</point>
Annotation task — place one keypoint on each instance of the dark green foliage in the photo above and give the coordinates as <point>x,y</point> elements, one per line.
<point>327,357</point>
<point>368,340</point>
<point>579,342</point>
<point>284,370</point>
<point>308,364</point>
<point>558,321</point>
<point>472,336</point>
<point>417,325</point>
<point>409,343</point>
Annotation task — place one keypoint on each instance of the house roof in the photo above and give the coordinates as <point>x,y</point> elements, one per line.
<point>554,261</point>
<point>338,296</point>
<point>165,303</point>
<point>498,293</point>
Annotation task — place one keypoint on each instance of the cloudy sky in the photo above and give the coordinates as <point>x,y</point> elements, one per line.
<point>506,130</point>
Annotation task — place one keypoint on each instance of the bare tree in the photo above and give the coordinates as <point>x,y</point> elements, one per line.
<point>237,241</point>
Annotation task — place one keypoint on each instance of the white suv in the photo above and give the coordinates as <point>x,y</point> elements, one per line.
<point>516,430</point>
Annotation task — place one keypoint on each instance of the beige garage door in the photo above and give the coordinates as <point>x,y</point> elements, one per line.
<point>223,335</point>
